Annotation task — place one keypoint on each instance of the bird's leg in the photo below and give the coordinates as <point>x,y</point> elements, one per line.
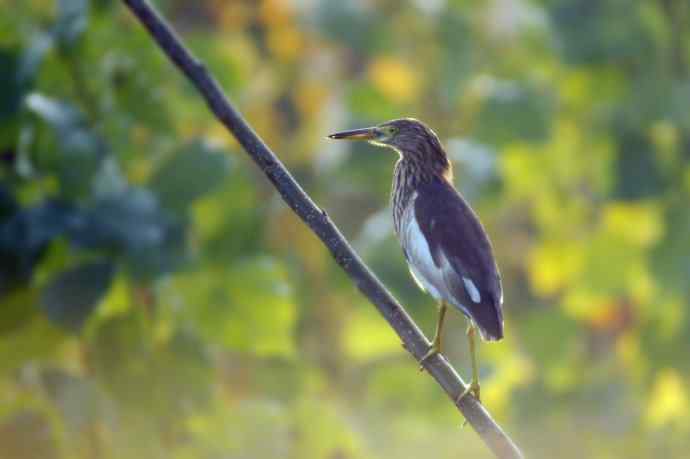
<point>474,385</point>
<point>435,347</point>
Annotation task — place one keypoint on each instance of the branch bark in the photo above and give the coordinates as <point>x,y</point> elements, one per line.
<point>319,222</point>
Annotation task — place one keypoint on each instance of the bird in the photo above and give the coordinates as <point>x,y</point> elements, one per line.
<point>447,249</point>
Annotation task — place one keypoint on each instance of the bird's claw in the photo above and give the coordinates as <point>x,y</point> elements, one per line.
<point>473,389</point>
<point>433,350</point>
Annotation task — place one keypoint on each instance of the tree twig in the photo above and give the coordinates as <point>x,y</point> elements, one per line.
<point>319,222</point>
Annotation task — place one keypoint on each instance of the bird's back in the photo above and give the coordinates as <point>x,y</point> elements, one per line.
<point>449,253</point>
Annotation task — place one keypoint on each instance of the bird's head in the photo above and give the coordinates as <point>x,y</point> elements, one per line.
<point>411,138</point>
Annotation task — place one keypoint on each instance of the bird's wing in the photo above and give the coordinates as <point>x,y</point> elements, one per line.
<point>460,248</point>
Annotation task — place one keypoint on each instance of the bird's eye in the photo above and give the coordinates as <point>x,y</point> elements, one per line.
<point>391,131</point>
<point>386,133</point>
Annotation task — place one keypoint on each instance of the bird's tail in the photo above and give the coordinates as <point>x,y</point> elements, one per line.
<point>488,318</point>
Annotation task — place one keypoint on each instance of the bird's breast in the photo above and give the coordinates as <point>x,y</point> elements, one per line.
<point>417,251</point>
<point>433,274</point>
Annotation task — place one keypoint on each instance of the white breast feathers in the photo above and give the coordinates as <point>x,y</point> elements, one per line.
<point>429,277</point>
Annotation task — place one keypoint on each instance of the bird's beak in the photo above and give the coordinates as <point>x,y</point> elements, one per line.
<point>356,134</point>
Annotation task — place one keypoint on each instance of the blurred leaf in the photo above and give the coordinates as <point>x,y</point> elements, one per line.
<point>331,437</point>
<point>17,307</point>
<point>166,379</point>
<point>188,174</point>
<point>133,224</point>
<point>32,228</point>
<point>71,21</point>
<point>128,221</point>
<point>394,78</point>
<point>12,91</point>
<point>368,337</point>
<point>72,296</point>
<point>183,370</point>
<point>33,57</point>
<point>586,35</point>
<point>554,265</point>
<point>37,340</point>
<point>551,338</point>
<point>231,433</point>
<point>230,223</point>
<point>25,236</point>
<point>353,24</point>
<point>67,121</point>
<point>671,256</point>
<point>668,400</point>
<point>648,227</point>
<point>81,149</point>
<point>119,358</point>
<point>247,307</point>
<point>367,102</point>
<point>8,204</point>
<point>638,173</point>
<point>80,402</point>
<point>28,434</point>
<point>512,112</point>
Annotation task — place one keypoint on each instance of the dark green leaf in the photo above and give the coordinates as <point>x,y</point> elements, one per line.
<point>32,228</point>
<point>671,258</point>
<point>10,90</point>
<point>25,235</point>
<point>637,170</point>
<point>8,204</point>
<point>127,221</point>
<point>81,150</point>
<point>68,122</point>
<point>513,112</point>
<point>33,56</point>
<point>190,173</point>
<point>133,224</point>
<point>70,298</point>
<point>71,21</point>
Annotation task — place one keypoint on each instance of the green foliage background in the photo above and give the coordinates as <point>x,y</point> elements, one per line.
<point>157,299</point>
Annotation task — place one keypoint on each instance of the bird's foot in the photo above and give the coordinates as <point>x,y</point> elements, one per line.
<point>434,349</point>
<point>473,389</point>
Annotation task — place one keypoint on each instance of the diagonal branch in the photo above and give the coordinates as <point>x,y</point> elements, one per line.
<point>319,222</point>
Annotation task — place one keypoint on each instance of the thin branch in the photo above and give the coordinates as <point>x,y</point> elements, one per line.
<point>319,222</point>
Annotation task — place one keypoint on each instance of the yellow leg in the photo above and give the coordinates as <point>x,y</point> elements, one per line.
<point>436,342</point>
<point>474,385</point>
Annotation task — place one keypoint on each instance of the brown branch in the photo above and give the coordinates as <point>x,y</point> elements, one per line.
<point>319,222</point>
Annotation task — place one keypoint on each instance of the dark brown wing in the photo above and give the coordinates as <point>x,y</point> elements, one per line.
<point>453,231</point>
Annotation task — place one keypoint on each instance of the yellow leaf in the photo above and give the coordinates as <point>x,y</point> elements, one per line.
<point>275,12</point>
<point>368,336</point>
<point>629,352</point>
<point>311,97</point>
<point>554,265</point>
<point>576,88</point>
<point>394,79</point>
<point>668,401</point>
<point>286,43</point>
<point>641,284</point>
<point>583,305</point>
<point>515,372</point>
<point>665,135</point>
<point>520,168</point>
<point>636,223</point>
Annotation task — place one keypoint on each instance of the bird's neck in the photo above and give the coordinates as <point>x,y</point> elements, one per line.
<point>413,170</point>
<point>410,172</point>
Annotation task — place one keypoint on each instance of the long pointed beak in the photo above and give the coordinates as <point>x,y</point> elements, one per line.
<point>356,134</point>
